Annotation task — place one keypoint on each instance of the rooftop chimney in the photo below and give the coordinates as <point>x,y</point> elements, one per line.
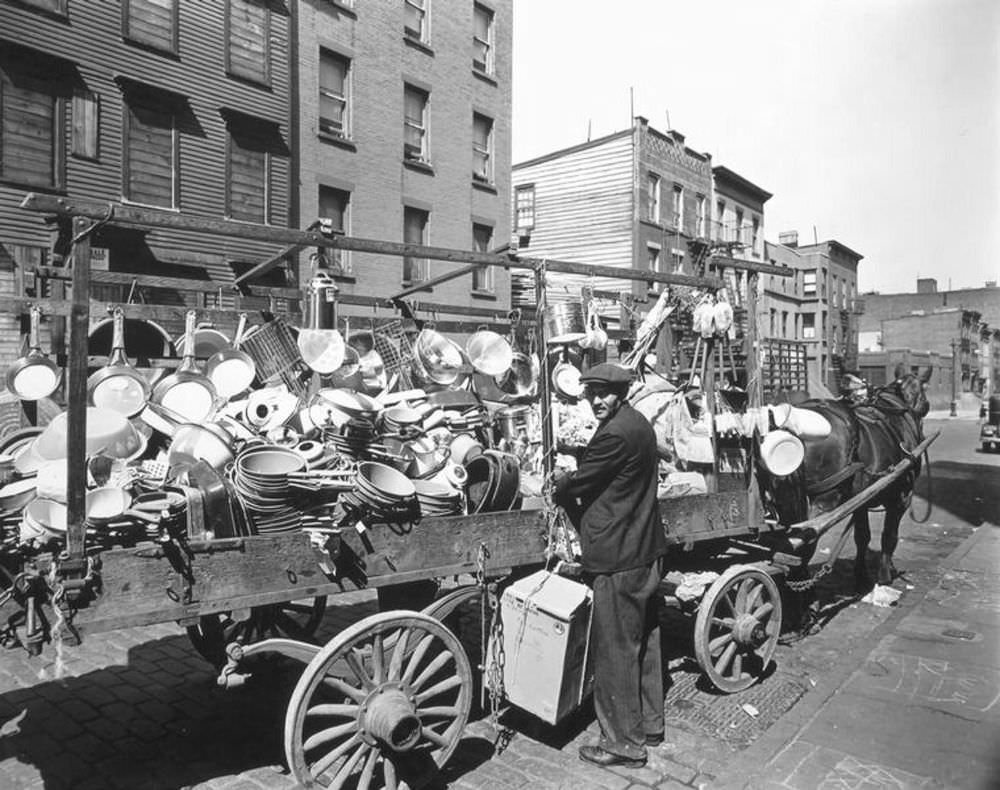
<point>789,238</point>
<point>926,285</point>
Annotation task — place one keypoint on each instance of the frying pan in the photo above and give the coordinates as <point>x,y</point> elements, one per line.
<point>118,386</point>
<point>110,503</point>
<point>322,347</point>
<point>230,370</point>
<point>187,391</point>
<point>33,376</point>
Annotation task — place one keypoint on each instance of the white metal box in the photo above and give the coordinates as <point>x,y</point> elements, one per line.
<point>545,638</point>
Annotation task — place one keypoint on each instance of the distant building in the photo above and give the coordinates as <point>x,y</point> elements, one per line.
<point>632,199</point>
<point>818,306</point>
<point>931,320</point>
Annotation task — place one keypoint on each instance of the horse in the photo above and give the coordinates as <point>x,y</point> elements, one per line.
<point>864,441</point>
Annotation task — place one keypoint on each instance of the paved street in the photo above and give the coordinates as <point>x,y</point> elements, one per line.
<point>877,697</point>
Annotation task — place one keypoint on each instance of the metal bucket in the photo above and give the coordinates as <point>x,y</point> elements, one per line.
<point>564,323</point>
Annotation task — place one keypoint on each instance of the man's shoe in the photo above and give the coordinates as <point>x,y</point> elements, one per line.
<point>654,739</point>
<point>604,758</point>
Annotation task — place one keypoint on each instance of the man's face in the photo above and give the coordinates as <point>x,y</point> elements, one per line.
<point>604,400</point>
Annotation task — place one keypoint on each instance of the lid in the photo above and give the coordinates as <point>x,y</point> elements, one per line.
<point>550,593</point>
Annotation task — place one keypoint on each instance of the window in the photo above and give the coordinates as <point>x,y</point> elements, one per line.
<point>247,176</point>
<point>334,208</point>
<point>482,148</point>
<point>415,232</point>
<point>151,22</point>
<point>85,120</point>
<point>415,124</point>
<point>415,19</point>
<point>784,323</point>
<point>653,257</point>
<point>755,236</point>
<point>334,96</point>
<point>524,207</point>
<point>739,225</point>
<point>720,215</point>
<point>809,326</point>
<point>482,240</point>
<point>32,112</point>
<point>151,167</point>
<point>702,230</point>
<point>809,283</point>
<point>248,50</point>
<point>482,39</point>
<point>653,197</point>
<point>678,206</point>
<point>55,6</point>
<point>677,261</point>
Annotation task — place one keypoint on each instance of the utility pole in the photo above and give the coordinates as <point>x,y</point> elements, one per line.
<point>954,378</point>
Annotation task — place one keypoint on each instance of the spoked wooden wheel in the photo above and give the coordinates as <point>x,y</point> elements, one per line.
<point>737,627</point>
<point>383,704</point>
<point>293,620</point>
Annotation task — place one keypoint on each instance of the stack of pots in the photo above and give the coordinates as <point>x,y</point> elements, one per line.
<point>261,477</point>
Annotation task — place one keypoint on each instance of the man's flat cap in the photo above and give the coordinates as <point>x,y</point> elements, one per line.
<point>607,373</point>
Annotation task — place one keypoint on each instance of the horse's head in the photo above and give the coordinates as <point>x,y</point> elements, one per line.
<point>912,390</point>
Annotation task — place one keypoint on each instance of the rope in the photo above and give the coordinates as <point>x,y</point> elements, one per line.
<point>930,494</point>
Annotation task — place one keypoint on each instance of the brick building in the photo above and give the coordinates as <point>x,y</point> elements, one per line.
<point>818,306</point>
<point>404,135</point>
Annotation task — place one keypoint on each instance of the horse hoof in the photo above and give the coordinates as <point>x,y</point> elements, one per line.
<point>862,583</point>
<point>886,573</point>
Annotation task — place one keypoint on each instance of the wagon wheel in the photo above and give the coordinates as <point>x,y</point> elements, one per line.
<point>383,704</point>
<point>293,620</point>
<point>737,627</point>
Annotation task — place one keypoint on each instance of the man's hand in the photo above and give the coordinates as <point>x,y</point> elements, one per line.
<point>558,475</point>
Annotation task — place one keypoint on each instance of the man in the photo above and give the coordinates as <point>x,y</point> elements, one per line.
<point>622,541</point>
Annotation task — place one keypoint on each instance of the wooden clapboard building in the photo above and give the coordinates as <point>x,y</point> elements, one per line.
<point>172,105</point>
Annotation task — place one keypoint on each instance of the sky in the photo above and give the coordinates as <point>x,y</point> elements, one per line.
<point>872,122</point>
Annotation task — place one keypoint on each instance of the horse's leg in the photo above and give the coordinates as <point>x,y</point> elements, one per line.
<point>890,538</point>
<point>862,535</point>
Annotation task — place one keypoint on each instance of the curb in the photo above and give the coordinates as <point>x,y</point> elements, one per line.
<point>781,734</point>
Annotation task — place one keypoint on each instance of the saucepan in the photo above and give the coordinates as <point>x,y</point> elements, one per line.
<point>230,370</point>
<point>110,503</point>
<point>187,391</point>
<point>33,376</point>
<point>489,352</point>
<point>118,386</point>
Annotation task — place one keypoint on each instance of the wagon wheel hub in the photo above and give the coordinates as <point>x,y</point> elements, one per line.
<point>389,715</point>
<point>749,631</point>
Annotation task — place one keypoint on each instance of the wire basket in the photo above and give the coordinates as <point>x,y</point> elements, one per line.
<point>393,343</point>
<point>276,355</point>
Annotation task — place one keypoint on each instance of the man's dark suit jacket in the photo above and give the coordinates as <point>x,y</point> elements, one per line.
<point>615,488</point>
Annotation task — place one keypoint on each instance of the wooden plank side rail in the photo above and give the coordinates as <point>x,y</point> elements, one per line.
<point>825,522</point>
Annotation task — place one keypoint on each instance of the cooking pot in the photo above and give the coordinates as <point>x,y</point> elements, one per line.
<point>319,342</point>
<point>493,482</point>
<point>33,376</point>
<point>436,358</point>
<point>564,323</point>
<point>566,381</point>
<point>110,503</point>
<point>187,390</point>
<point>108,432</point>
<point>17,494</point>
<point>489,352</point>
<point>205,340</point>
<point>521,379</point>
<point>230,370</point>
<point>192,442</point>
<point>781,452</point>
<point>118,386</point>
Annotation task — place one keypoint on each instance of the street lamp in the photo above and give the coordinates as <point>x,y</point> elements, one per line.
<point>954,379</point>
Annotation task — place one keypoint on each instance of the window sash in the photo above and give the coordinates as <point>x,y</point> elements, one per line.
<point>85,124</point>
<point>152,22</point>
<point>247,180</point>
<point>482,148</point>
<point>32,142</point>
<point>334,205</point>
<point>415,19</point>
<point>248,47</point>
<point>653,189</point>
<point>482,39</point>
<point>678,207</point>
<point>524,201</point>
<point>334,75</point>
<point>482,240</point>
<point>414,124</point>
<point>415,232</point>
<point>152,169</point>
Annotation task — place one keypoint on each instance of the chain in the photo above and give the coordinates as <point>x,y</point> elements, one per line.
<point>491,650</point>
<point>826,569</point>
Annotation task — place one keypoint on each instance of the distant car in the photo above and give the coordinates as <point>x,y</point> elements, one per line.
<point>989,435</point>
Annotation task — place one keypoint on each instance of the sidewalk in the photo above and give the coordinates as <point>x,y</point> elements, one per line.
<point>919,711</point>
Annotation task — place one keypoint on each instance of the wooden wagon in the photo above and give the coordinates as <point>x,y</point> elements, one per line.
<point>386,700</point>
